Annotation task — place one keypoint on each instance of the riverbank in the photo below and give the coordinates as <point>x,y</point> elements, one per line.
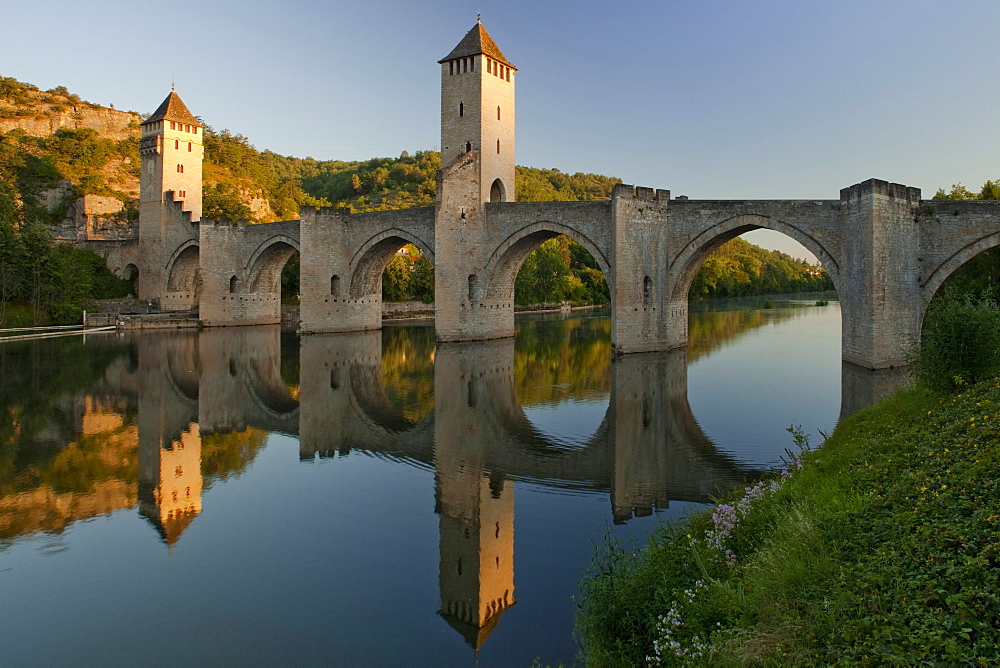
<point>884,547</point>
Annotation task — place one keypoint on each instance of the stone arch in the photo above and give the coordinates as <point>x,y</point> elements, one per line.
<point>130,272</point>
<point>266,262</point>
<point>372,401</point>
<point>270,394</point>
<point>186,385</point>
<point>498,193</point>
<point>183,268</point>
<point>937,277</point>
<point>374,254</point>
<point>684,267</point>
<point>506,261</point>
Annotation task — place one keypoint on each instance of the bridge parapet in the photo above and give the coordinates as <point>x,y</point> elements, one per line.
<point>952,232</point>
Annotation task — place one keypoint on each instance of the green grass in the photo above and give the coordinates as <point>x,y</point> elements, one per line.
<point>883,548</point>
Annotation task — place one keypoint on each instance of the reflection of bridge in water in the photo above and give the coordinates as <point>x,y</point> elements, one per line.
<point>647,451</point>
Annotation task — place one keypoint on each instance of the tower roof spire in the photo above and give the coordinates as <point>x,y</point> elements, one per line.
<point>477,41</point>
<point>173,109</point>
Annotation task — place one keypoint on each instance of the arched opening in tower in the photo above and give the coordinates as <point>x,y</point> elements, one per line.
<point>497,192</point>
<point>131,274</point>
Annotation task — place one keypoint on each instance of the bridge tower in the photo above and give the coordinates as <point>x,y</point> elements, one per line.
<point>171,153</point>
<point>477,112</point>
<point>477,167</point>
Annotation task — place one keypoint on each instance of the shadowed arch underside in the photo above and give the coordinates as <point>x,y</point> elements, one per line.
<point>498,193</point>
<point>265,265</point>
<point>184,269</point>
<point>939,275</point>
<point>130,272</point>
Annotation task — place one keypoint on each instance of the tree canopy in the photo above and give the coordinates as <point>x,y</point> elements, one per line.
<point>741,269</point>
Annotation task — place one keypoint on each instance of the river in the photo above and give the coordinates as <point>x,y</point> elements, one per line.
<point>245,495</point>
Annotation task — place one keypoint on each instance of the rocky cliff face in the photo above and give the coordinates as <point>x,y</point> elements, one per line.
<point>41,120</point>
<point>39,113</point>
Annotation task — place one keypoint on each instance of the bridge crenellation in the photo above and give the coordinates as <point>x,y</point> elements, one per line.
<point>640,192</point>
<point>882,188</point>
<point>886,250</point>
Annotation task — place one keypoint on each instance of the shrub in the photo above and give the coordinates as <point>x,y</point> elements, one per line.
<point>960,341</point>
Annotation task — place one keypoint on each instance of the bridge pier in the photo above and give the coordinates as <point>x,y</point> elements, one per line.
<point>328,302</point>
<point>643,316</point>
<point>465,307</point>
<point>241,271</point>
<point>880,296</point>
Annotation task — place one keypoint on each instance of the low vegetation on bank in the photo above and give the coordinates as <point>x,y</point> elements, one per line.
<point>883,546</point>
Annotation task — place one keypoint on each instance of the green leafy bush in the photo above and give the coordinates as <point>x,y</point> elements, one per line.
<point>960,342</point>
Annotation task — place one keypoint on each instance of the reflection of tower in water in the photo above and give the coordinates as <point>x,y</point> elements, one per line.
<point>476,507</point>
<point>477,552</point>
<point>170,482</point>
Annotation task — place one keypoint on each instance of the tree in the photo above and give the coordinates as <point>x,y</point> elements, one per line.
<point>960,342</point>
<point>396,279</point>
<point>222,200</point>
<point>989,191</point>
<point>422,280</point>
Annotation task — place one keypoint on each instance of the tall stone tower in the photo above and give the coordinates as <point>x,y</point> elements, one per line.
<point>171,152</point>
<point>477,112</point>
<point>477,167</point>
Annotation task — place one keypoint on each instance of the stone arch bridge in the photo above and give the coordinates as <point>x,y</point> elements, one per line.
<point>886,250</point>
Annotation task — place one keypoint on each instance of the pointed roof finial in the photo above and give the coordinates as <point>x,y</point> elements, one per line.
<point>479,17</point>
<point>173,84</point>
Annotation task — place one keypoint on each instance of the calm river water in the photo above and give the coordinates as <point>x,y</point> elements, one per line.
<point>247,496</point>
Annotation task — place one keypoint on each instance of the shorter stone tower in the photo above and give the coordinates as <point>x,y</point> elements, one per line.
<point>171,153</point>
<point>477,111</point>
<point>170,482</point>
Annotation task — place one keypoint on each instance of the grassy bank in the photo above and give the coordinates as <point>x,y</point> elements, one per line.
<point>884,547</point>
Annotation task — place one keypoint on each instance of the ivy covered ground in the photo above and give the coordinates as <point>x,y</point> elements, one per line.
<point>884,547</point>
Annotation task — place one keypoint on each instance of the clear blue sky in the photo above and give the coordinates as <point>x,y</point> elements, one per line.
<point>711,99</point>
